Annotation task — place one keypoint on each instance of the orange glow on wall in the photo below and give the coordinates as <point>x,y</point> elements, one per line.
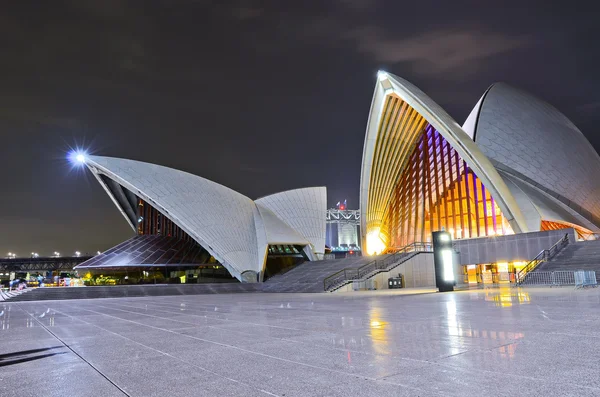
<point>582,233</point>
<point>438,190</point>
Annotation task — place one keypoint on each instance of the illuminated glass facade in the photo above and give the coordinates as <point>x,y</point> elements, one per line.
<point>438,190</point>
<point>419,183</point>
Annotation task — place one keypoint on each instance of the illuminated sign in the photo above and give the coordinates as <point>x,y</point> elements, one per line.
<point>443,259</point>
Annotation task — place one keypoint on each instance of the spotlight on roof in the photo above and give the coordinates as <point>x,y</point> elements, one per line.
<point>382,76</point>
<point>78,157</point>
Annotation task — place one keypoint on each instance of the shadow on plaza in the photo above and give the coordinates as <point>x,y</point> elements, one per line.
<point>24,356</point>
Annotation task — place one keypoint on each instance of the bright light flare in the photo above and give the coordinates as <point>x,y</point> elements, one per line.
<point>77,157</point>
<point>382,76</point>
<point>374,243</point>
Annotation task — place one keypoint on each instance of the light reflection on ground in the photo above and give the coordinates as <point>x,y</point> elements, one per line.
<point>476,342</point>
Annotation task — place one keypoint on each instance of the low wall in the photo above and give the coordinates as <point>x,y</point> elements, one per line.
<point>516,247</point>
<point>418,271</point>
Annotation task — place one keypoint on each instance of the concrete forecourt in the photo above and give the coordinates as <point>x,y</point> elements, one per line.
<point>490,342</point>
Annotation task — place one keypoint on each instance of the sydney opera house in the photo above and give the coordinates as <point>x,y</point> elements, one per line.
<point>187,227</point>
<point>516,165</point>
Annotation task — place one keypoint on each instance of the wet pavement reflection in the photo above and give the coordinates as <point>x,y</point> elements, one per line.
<point>472,342</point>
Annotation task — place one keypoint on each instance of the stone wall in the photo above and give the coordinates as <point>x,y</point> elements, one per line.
<point>516,247</point>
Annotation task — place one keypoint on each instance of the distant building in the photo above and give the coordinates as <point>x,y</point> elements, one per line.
<point>343,228</point>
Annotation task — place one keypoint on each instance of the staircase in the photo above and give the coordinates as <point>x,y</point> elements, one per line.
<point>525,274</point>
<point>365,272</point>
<point>582,255</point>
<point>377,265</point>
<point>309,276</point>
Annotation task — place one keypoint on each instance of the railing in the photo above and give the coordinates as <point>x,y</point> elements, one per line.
<point>340,276</point>
<point>414,247</point>
<point>358,285</point>
<point>580,278</point>
<point>585,278</point>
<point>350,274</point>
<point>384,263</point>
<point>542,257</point>
<point>555,278</point>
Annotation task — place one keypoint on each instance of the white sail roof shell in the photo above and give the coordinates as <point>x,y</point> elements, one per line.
<point>226,223</point>
<point>304,210</point>
<point>534,142</point>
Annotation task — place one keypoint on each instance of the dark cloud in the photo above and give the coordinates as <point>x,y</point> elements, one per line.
<point>592,106</point>
<point>435,52</point>
<point>261,96</point>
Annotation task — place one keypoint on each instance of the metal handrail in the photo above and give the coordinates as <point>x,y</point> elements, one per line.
<point>339,276</point>
<point>368,270</point>
<point>543,256</point>
<point>385,262</point>
<point>358,273</point>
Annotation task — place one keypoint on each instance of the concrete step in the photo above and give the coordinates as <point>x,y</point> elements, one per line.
<point>118,291</point>
<point>309,276</point>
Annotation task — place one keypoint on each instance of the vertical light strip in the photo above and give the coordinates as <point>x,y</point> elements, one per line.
<point>476,201</point>
<point>468,198</point>
<point>430,207</point>
<point>423,196</point>
<point>485,215</point>
<point>457,163</point>
<point>494,214</point>
<point>438,211</point>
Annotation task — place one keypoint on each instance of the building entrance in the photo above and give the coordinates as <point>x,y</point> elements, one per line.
<point>492,273</point>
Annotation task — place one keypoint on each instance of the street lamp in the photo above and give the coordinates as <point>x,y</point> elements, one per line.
<point>56,254</point>
<point>12,255</point>
<point>77,254</point>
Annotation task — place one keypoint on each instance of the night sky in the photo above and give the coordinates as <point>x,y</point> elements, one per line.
<point>261,96</point>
